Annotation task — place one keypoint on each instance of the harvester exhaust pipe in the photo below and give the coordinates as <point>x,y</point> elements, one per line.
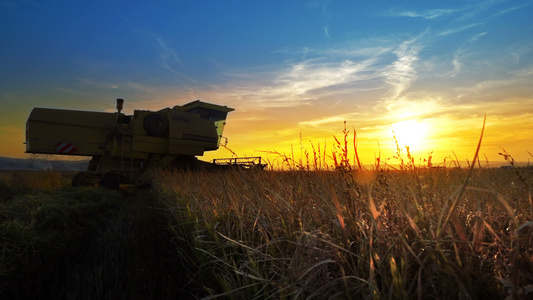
<point>120,104</point>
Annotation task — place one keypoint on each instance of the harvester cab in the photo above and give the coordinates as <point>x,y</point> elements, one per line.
<point>128,148</point>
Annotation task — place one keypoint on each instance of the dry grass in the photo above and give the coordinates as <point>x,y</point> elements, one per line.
<point>413,233</point>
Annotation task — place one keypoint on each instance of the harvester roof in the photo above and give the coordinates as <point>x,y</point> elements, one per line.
<point>198,103</point>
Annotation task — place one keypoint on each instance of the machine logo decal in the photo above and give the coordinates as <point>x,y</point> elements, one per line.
<point>201,138</point>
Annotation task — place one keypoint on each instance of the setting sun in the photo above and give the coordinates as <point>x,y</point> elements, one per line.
<point>412,133</point>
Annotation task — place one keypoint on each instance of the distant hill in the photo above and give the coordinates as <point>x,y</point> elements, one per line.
<point>36,164</point>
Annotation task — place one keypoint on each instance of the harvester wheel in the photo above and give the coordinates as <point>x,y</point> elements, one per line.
<point>110,180</point>
<point>81,179</point>
<point>155,124</point>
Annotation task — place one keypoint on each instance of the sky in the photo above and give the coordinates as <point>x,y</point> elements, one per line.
<point>423,72</point>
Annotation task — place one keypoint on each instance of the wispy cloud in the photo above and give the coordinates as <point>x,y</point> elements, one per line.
<point>402,73</point>
<point>360,50</point>
<point>305,81</point>
<point>492,85</point>
<point>321,122</point>
<point>518,52</point>
<point>459,29</point>
<point>326,31</point>
<point>70,91</point>
<point>168,57</point>
<point>97,84</point>
<point>522,73</point>
<point>457,58</point>
<point>480,8</point>
<point>429,14</point>
<point>307,76</point>
<point>460,14</point>
<point>508,10</point>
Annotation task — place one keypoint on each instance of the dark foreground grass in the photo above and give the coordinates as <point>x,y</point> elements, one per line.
<point>40,229</point>
<point>59,242</point>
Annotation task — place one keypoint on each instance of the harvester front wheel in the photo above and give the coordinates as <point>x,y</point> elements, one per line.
<point>82,179</point>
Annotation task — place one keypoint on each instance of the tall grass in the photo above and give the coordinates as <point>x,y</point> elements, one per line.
<point>417,232</point>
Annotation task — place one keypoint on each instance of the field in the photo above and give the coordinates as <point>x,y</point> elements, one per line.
<point>418,232</point>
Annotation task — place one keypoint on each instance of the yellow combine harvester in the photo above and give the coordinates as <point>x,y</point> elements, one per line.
<point>128,148</point>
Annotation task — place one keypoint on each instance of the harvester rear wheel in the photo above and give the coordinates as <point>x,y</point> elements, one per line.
<point>110,180</point>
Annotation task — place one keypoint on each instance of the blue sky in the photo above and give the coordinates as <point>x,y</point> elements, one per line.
<point>429,70</point>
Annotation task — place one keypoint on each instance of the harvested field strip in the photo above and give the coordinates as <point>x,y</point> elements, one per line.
<point>86,243</point>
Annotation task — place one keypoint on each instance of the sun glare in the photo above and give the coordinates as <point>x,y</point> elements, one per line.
<point>411,133</point>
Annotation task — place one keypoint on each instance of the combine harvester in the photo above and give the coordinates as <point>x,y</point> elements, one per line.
<point>127,149</point>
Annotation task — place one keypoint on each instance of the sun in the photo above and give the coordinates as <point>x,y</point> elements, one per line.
<point>412,133</point>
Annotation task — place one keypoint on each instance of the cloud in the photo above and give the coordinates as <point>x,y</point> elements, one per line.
<point>459,29</point>
<point>91,82</point>
<point>168,58</point>
<point>401,73</point>
<point>356,50</point>
<point>527,72</point>
<point>307,76</point>
<point>463,13</point>
<point>457,65</point>
<point>456,61</point>
<point>429,14</point>
<point>516,81</point>
<point>476,37</point>
<point>508,10</point>
<point>333,73</point>
<point>495,85</point>
<point>482,7</point>
<point>303,82</point>
<point>333,120</point>
<point>70,91</point>
<point>520,51</point>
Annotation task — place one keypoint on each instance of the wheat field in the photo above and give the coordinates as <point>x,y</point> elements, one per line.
<point>414,233</point>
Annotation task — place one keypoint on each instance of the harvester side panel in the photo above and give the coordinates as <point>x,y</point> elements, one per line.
<point>181,147</point>
<point>87,132</point>
<point>148,144</point>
